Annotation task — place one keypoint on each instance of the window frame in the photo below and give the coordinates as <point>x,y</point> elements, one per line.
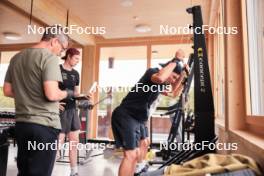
<point>251,120</point>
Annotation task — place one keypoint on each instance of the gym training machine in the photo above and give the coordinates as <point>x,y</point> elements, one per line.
<point>203,128</point>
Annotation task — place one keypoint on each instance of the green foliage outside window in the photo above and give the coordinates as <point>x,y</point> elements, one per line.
<point>5,102</point>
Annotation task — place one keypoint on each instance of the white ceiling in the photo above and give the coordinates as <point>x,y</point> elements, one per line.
<point>117,19</point>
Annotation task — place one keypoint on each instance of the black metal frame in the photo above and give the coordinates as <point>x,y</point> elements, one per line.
<point>204,129</point>
<point>178,111</point>
<point>204,112</point>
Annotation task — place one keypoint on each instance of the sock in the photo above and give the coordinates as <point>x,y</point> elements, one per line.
<point>74,170</point>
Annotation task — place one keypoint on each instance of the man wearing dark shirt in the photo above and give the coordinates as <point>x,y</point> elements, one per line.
<point>70,122</point>
<point>129,118</point>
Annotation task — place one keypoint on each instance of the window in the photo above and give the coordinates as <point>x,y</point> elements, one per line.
<point>119,69</point>
<point>255,23</point>
<point>6,104</point>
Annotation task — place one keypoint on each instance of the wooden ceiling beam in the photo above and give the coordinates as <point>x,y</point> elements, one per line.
<point>175,39</point>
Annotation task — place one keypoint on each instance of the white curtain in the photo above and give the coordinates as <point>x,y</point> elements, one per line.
<point>255,17</point>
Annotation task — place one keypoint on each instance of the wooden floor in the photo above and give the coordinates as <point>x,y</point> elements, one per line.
<point>96,166</point>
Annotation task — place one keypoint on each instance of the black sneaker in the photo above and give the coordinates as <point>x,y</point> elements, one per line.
<point>76,174</point>
<point>145,169</point>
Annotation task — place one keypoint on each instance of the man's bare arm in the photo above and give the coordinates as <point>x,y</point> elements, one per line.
<point>163,74</point>
<point>8,90</point>
<point>177,87</point>
<point>76,91</point>
<point>52,91</point>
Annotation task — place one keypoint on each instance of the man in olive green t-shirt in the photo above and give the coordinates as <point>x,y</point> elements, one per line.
<point>32,80</point>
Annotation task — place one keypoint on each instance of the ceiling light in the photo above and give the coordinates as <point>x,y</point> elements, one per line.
<point>12,36</point>
<point>126,3</point>
<point>142,28</point>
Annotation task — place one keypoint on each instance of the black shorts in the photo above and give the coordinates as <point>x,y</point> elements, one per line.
<point>127,130</point>
<point>69,121</point>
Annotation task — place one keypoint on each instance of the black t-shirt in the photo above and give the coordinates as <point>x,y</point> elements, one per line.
<point>138,101</point>
<point>70,80</point>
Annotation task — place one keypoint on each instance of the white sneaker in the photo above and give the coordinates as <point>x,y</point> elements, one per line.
<point>141,167</point>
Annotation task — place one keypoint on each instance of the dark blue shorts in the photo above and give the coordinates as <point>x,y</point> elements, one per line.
<point>127,130</point>
<point>144,131</point>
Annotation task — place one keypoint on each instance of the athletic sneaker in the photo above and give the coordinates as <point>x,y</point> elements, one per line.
<point>76,174</point>
<point>145,169</point>
<point>142,170</point>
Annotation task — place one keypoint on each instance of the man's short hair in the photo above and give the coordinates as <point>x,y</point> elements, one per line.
<point>55,31</point>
